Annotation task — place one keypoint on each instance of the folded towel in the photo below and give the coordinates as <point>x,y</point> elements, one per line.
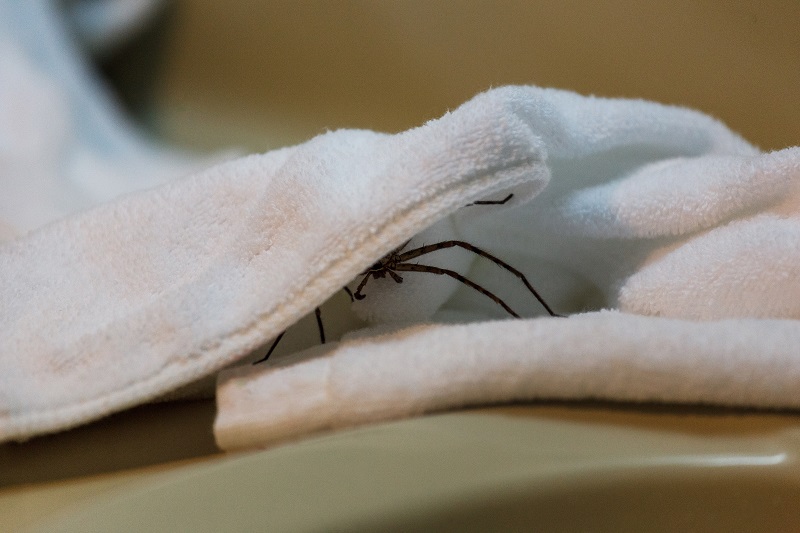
<point>123,303</point>
<point>616,203</point>
<point>603,355</point>
<point>650,209</point>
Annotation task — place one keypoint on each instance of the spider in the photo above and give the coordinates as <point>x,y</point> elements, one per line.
<point>397,261</point>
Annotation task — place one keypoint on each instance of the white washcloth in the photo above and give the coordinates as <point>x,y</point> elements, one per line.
<point>126,302</point>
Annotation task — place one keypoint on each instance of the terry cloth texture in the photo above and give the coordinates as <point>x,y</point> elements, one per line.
<point>630,205</point>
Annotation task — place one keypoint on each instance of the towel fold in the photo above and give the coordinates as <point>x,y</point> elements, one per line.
<point>648,208</point>
<point>126,302</point>
<point>604,355</point>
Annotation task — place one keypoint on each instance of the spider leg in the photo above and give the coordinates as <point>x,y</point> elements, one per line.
<point>349,292</point>
<point>410,267</point>
<point>271,348</point>
<point>492,202</point>
<point>318,315</point>
<point>380,273</point>
<point>423,250</point>
<point>395,276</point>
<point>357,294</point>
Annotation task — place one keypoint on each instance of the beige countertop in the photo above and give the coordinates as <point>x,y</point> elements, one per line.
<point>561,466</point>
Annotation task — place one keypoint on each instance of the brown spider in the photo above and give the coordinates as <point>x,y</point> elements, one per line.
<point>397,261</point>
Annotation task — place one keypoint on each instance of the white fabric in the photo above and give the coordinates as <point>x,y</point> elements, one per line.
<point>64,147</point>
<point>650,209</point>
<point>617,203</point>
<point>604,355</point>
<point>118,305</point>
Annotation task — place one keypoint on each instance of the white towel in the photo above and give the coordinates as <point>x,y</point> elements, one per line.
<point>120,304</point>
<point>617,203</point>
<point>651,210</point>
<point>603,355</point>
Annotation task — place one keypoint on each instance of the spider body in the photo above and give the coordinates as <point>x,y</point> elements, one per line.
<point>386,265</point>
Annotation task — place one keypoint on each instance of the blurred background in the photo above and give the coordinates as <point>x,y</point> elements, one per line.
<point>260,75</point>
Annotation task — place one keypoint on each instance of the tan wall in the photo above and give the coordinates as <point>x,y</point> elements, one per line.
<point>268,73</point>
